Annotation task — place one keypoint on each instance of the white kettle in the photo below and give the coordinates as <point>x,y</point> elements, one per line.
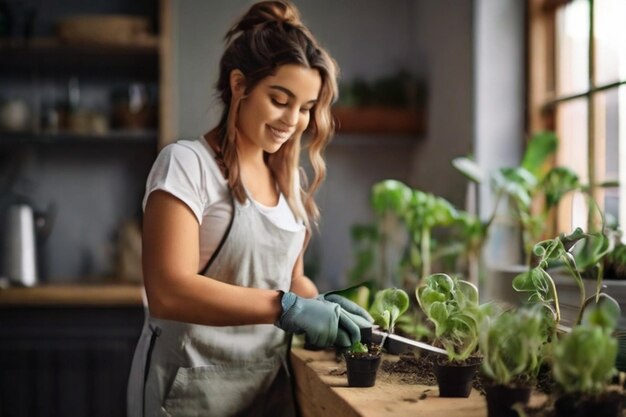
<point>19,246</point>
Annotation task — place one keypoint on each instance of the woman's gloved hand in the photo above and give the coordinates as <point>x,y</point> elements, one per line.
<point>317,319</point>
<point>353,318</point>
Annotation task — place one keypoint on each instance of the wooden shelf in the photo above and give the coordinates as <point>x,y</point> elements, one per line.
<point>120,137</point>
<point>63,295</point>
<point>148,45</point>
<point>380,120</point>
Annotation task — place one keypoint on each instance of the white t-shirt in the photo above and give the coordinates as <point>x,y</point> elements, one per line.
<point>187,169</point>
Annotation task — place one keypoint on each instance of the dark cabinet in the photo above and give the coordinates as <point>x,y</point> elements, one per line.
<point>66,361</point>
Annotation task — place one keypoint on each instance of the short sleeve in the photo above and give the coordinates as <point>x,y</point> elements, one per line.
<point>177,170</point>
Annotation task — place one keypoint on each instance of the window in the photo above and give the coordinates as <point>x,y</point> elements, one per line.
<point>577,86</point>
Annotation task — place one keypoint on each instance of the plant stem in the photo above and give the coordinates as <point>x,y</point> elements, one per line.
<point>425,245</point>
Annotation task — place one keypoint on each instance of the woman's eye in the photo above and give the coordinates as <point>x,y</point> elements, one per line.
<point>305,110</point>
<point>278,103</point>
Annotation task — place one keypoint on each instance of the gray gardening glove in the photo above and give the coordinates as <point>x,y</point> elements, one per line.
<point>316,318</point>
<point>353,318</point>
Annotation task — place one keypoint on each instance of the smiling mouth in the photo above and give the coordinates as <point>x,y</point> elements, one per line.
<point>281,135</point>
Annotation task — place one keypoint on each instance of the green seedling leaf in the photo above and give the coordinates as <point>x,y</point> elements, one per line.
<point>558,182</point>
<point>390,195</point>
<point>540,147</point>
<point>359,347</point>
<point>389,304</point>
<point>469,168</point>
<point>604,312</point>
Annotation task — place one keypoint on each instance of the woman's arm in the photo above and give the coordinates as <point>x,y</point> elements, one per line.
<point>301,284</point>
<point>174,288</point>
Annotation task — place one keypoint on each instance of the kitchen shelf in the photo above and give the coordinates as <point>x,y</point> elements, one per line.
<point>64,295</point>
<point>52,56</point>
<point>380,120</point>
<point>120,137</point>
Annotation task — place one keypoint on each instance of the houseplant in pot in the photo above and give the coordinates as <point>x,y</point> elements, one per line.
<point>583,362</point>
<point>362,362</point>
<point>512,343</point>
<point>389,304</point>
<point>451,305</point>
<point>531,191</point>
<point>540,284</point>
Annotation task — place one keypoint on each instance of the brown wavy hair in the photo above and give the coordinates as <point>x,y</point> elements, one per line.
<point>270,34</point>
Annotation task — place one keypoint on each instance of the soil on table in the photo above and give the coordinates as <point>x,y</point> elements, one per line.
<point>416,368</point>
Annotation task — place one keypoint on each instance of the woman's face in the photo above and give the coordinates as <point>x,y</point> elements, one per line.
<point>278,107</point>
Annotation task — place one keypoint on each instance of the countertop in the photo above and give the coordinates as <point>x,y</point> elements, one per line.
<point>63,295</point>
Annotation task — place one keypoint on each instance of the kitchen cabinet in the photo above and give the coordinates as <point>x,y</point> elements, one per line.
<point>68,361</point>
<point>66,350</point>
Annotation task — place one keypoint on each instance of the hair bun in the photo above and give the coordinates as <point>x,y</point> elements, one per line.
<point>266,12</point>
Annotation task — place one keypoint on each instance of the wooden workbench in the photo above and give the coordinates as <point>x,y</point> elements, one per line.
<point>322,390</point>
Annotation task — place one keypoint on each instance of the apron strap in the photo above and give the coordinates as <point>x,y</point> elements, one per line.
<point>223,240</point>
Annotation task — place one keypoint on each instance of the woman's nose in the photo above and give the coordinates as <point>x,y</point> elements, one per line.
<point>290,116</point>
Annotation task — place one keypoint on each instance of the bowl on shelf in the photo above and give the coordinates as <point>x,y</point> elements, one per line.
<point>105,30</point>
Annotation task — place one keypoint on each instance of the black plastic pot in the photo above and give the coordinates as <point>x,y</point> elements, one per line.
<point>362,369</point>
<point>609,404</point>
<point>395,347</point>
<point>500,399</point>
<point>455,380</point>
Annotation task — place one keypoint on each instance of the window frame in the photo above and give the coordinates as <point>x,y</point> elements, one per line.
<point>543,101</point>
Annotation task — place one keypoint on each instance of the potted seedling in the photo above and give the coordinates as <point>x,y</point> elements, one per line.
<point>512,344</point>
<point>452,306</point>
<point>389,304</point>
<point>532,190</point>
<point>583,363</point>
<point>362,362</point>
<point>539,283</point>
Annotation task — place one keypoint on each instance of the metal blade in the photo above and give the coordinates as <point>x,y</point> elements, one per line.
<point>410,342</point>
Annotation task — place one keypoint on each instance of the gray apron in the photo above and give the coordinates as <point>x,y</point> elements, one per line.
<point>183,369</point>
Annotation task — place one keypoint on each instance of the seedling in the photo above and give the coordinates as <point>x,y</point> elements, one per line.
<point>539,283</point>
<point>584,360</point>
<point>389,304</point>
<point>512,344</point>
<point>452,306</point>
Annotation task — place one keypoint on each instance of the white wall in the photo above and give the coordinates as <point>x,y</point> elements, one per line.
<point>499,106</point>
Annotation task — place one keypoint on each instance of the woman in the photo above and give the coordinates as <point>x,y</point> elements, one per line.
<point>225,220</point>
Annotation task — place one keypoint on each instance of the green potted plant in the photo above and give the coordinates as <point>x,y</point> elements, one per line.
<point>362,363</point>
<point>422,214</point>
<point>532,191</point>
<point>583,363</point>
<point>451,305</point>
<point>539,283</point>
<point>388,306</point>
<point>512,344</point>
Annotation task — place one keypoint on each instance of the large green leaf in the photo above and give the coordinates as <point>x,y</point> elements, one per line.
<point>389,304</point>
<point>390,195</point>
<point>558,182</point>
<point>540,147</point>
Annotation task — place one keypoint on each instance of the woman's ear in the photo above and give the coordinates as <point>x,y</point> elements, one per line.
<point>237,84</point>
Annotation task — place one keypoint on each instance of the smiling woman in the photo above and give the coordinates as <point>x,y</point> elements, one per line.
<point>225,226</point>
